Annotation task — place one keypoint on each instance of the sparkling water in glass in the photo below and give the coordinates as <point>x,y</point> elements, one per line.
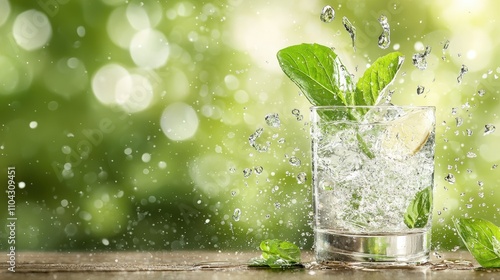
<point>373,176</point>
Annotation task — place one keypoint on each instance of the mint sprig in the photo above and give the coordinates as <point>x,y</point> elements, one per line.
<point>482,239</point>
<point>325,81</point>
<point>277,254</point>
<point>419,210</point>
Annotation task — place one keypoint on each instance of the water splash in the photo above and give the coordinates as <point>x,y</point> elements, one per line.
<point>351,29</point>
<point>273,120</point>
<point>258,169</point>
<point>445,48</point>
<point>488,129</point>
<point>384,40</point>
<point>481,92</point>
<point>459,121</point>
<point>236,214</point>
<point>450,178</point>
<point>294,161</point>
<point>463,70</point>
<point>419,59</point>
<point>247,172</point>
<point>253,141</point>
<point>327,14</point>
<point>420,90</point>
<point>301,178</point>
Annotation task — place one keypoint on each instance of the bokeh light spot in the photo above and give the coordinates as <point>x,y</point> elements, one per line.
<point>105,80</point>
<point>179,121</point>
<point>32,30</point>
<point>149,48</point>
<point>4,11</point>
<point>134,93</point>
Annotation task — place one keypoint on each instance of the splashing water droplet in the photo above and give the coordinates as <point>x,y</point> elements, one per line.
<point>463,70</point>
<point>420,90</point>
<point>469,132</point>
<point>494,166</point>
<point>450,178</point>
<point>351,29</point>
<point>481,92</point>
<point>471,155</point>
<point>384,40</point>
<point>253,141</point>
<point>459,121</point>
<point>327,14</point>
<point>236,214</point>
<point>419,59</point>
<point>247,172</point>
<point>301,178</point>
<point>488,129</point>
<point>296,112</point>
<point>273,120</point>
<point>294,161</point>
<point>259,169</point>
<point>446,45</point>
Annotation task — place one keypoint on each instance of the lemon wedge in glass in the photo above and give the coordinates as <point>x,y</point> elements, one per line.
<point>408,134</point>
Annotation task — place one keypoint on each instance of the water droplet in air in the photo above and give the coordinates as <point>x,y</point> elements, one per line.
<point>236,214</point>
<point>351,29</point>
<point>481,92</point>
<point>259,169</point>
<point>419,59</point>
<point>463,70</point>
<point>469,132</point>
<point>247,172</point>
<point>420,90</point>
<point>488,129</point>
<point>253,141</point>
<point>327,14</point>
<point>446,45</point>
<point>459,121</point>
<point>471,155</point>
<point>294,161</point>
<point>450,178</point>
<point>301,178</point>
<point>273,120</point>
<point>494,166</point>
<point>384,40</point>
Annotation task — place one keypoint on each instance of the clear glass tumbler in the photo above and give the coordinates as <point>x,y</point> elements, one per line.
<point>373,177</point>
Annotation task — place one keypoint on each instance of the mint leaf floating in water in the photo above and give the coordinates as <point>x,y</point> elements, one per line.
<point>417,213</point>
<point>482,239</point>
<point>277,254</point>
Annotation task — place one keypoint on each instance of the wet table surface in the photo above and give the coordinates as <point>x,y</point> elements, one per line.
<point>222,265</point>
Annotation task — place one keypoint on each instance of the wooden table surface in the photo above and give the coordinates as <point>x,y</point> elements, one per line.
<point>221,265</point>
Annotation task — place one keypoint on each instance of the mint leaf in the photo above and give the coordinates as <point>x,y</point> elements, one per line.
<point>318,72</point>
<point>277,254</point>
<point>376,79</point>
<point>482,239</point>
<point>418,212</point>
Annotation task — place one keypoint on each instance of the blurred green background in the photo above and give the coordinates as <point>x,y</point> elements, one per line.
<point>128,122</point>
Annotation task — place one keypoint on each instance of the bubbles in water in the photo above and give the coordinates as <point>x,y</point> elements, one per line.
<point>420,89</point>
<point>247,172</point>
<point>273,120</point>
<point>419,59</point>
<point>236,214</point>
<point>327,14</point>
<point>450,178</point>
<point>296,113</point>
<point>253,141</point>
<point>301,178</point>
<point>351,29</point>
<point>488,129</point>
<point>463,70</point>
<point>294,161</point>
<point>384,40</point>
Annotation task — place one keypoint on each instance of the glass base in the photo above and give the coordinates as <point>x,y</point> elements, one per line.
<point>372,249</point>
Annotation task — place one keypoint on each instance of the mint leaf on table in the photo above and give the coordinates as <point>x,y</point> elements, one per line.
<point>482,239</point>
<point>418,212</point>
<point>277,254</point>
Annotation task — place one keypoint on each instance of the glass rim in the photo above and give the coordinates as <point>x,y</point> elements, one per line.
<point>325,107</point>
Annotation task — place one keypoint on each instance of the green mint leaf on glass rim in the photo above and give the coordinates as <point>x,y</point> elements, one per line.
<point>418,212</point>
<point>482,239</point>
<point>277,254</point>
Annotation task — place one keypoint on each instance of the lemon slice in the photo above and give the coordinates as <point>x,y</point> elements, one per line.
<point>408,134</point>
